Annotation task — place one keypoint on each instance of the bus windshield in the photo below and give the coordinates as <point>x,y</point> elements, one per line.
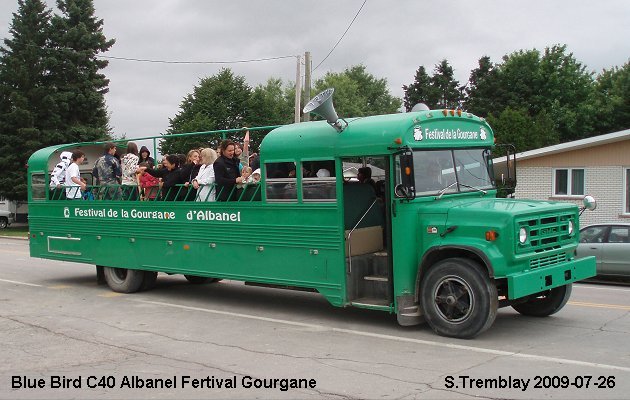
<point>451,171</point>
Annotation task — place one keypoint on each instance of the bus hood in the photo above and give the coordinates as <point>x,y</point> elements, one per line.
<point>496,207</point>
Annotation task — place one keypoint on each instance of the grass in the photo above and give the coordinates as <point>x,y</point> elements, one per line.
<point>19,231</point>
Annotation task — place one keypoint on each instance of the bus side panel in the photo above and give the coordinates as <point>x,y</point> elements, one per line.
<point>281,244</point>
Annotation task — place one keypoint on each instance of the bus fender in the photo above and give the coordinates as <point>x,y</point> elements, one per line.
<point>438,253</point>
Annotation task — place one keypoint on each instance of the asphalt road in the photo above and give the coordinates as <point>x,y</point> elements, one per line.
<point>63,336</point>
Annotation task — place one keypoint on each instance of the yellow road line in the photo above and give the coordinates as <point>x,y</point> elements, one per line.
<point>598,305</point>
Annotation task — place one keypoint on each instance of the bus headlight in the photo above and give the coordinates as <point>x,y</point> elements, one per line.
<point>522,235</point>
<point>571,227</point>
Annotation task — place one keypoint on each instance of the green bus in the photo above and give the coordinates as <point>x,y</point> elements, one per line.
<point>427,239</point>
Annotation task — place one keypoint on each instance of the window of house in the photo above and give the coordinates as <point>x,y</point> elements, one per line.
<point>568,182</point>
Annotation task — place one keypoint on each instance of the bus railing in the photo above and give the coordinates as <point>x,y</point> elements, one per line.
<point>247,192</point>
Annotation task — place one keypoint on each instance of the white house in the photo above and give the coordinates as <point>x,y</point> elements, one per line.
<point>598,166</point>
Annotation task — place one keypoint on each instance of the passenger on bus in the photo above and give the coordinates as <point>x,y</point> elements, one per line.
<point>364,175</point>
<point>107,172</point>
<point>226,172</point>
<point>74,184</point>
<point>189,171</point>
<point>205,177</point>
<point>145,156</point>
<point>238,154</point>
<point>254,177</point>
<point>246,172</point>
<point>58,176</point>
<point>148,183</point>
<point>129,165</point>
<point>171,178</point>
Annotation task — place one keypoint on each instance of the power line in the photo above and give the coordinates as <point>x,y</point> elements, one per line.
<point>342,36</point>
<point>193,62</point>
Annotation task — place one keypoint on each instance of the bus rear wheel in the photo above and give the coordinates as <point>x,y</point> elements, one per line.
<point>200,280</point>
<point>124,280</point>
<point>458,298</point>
<point>545,303</point>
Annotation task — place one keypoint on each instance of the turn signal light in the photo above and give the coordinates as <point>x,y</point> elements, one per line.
<point>491,236</point>
<point>398,141</point>
<point>445,112</point>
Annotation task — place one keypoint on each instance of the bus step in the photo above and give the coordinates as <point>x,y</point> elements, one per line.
<point>376,278</point>
<point>370,301</point>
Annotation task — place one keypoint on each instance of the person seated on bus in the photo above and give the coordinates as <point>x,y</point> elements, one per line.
<point>430,180</point>
<point>171,178</point>
<point>189,171</point>
<point>145,156</point>
<point>58,176</point>
<point>364,175</point>
<point>323,173</point>
<point>74,184</point>
<point>246,172</point>
<point>149,184</point>
<point>204,182</point>
<point>107,172</point>
<point>254,177</point>
<point>226,172</point>
<point>129,165</point>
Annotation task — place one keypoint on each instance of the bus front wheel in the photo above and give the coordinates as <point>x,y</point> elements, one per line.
<point>545,303</point>
<point>458,298</point>
<point>124,280</point>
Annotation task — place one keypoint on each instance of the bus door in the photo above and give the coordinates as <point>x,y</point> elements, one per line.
<point>367,231</point>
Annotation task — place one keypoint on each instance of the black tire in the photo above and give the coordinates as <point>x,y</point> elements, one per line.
<point>545,303</point>
<point>458,298</point>
<point>124,280</point>
<point>4,222</point>
<point>148,283</point>
<point>200,280</point>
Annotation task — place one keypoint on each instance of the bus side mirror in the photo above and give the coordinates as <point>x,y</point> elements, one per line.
<point>406,188</point>
<point>506,183</point>
<point>589,204</point>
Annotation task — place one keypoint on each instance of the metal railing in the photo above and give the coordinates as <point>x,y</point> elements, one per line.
<point>181,192</point>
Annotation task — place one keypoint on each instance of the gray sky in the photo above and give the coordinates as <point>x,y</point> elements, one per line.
<point>392,38</point>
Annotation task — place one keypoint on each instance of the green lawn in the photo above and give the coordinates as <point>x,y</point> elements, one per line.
<point>21,231</point>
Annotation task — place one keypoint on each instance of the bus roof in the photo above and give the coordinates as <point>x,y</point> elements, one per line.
<point>377,135</point>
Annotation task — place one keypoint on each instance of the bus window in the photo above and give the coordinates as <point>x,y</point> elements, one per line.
<point>38,186</point>
<point>318,183</point>
<point>281,181</point>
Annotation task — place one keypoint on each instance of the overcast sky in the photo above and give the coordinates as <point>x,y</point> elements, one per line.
<point>392,38</point>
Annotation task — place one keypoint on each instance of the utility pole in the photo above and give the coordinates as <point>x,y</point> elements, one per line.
<point>307,82</point>
<point>298,89</point>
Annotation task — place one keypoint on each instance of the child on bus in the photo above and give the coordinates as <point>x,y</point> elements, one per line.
<point>149,184</point>
<point>246,172</point>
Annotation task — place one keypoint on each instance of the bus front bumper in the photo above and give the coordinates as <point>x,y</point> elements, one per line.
<point>537,280</point>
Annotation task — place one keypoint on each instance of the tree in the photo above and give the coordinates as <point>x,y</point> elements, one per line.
<point>219,102</point>
<point>611,99</point>
<point>24,97</point>
<point>270,104</point>
<point>80,86</point>
<point>483,88</point>
<point>420,91</point>
<point>359,93</point>
<point>517,127</point>
<point>445,86</point>
<point>440,90</point>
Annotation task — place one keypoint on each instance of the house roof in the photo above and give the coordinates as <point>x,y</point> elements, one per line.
<point>569,146</point>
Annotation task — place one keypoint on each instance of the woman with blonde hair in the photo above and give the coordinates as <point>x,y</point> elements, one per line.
<point>205,177</point>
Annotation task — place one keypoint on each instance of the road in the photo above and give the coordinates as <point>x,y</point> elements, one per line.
<point>64,336</point>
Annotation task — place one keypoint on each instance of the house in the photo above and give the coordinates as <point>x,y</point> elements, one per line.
<point>598,166</point>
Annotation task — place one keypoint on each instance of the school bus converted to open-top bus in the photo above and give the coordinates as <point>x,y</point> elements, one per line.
<point>430,241</point>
